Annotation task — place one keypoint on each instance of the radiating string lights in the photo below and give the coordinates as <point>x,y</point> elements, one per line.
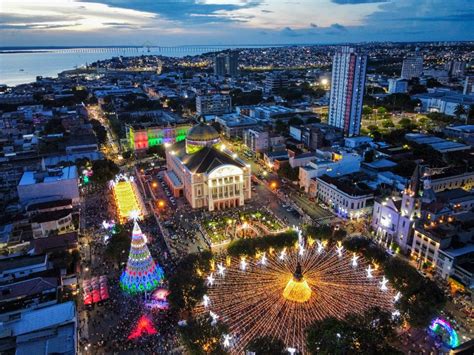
<point>250,300</point>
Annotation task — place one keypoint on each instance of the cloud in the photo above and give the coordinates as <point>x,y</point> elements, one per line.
<point>187,11</point>
<point>357,2</point>
<point>266,11</point>
<point>339,27</point>
<point>313,25</point>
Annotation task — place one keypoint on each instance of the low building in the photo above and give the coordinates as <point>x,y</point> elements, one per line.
<point>61,183</point>
<point>444,101</point>
<point>345,196</point>
<point>331,162</point>
<point>213,104</point>
<point>140,137</point>
<point>462,132</point>
<point>439,144</point>
<point>52,222</point>
<point>316,135</point>
<point>234,126</point>
<point>21,266</point>
<point>47,330</point>
<point>397,86</point>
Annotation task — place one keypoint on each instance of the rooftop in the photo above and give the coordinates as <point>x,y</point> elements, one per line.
<point>52,175</point>
<point>21,262</point>
<point>27,287</point>
<point>348,184</point>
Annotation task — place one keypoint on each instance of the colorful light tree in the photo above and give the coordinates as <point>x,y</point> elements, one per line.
<point>141,273</point>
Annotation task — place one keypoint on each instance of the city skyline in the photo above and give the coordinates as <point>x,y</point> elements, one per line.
<point>201,22</point>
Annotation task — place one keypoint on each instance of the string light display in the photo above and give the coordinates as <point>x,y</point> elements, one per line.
<point>144,327</point>
<point>141,273</point>
<point>125,198</point>
<point>279,300</point>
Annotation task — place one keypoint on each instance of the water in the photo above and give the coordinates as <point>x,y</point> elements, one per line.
<point>23,65</point>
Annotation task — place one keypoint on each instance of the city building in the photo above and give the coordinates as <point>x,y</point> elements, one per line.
<point>227,64</point>
<point>257,140</point>
<point>213,104</point>
<point>316,135</point>
<point>444,101</point>
<point>275,82</point>
<point>219,65</point>
<point>140,137</point>
<point>461,132</point>
<point>397,86</point>
<point>331,162</point>
<point>439,144</point>
<point>47,184</point>
<point>455,68</point>
<point>52,222</point>
<point>347,90</point>
<point>22,266</point>
<point>468,85</point>
<point>346,196</point>
<point>234,125</point>
<point>204,172</point>
<point>412,66</point>
<point>42,331</point>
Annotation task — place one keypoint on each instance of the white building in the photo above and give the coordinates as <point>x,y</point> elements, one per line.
<point>398,85</point>
<point>332,163</point>
<point>213,104</point>
<point>207,174</point>
<point>412,67</point>
<point>344,197</point>
<point>48,184</point>
<point>444,101</point>
<point>347,90</point>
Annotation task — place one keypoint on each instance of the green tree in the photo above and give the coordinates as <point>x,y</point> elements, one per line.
<point>99,130</point>
<point>281,127</point>
<point>470,114</point>
<point>295,121</point>
<point>405,123</point>
<point>156,149</point>
<point>118,246</point>
<point>387,124</point>
<point>369,156</point>
<point>200,337</point>
<point>104,170</point>
<point>266,345</point>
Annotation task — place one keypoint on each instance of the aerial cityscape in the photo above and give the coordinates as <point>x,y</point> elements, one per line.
<point>237,177</point>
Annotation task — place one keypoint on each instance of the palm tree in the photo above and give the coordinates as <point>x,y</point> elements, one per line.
<point>459,110</point>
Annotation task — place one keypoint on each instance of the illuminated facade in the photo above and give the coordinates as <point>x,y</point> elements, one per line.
<point>127,198</point>
<point>207,174</point>
<point>142,137</point>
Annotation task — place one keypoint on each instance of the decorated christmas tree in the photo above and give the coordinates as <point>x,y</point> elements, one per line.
<point>141,273</point>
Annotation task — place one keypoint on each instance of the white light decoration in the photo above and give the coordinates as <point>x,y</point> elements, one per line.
<point>395,314</point>
<point>227,339</point>
<point>397,297</point>
<point>214,317</point>
<point>134,215</point>
<point>369,272</point>
<point>339,250</point>
<point>252,303</point>
<point>105,224</point>
<point>263,259</point>
<point>210,280</point>
<point>220,269</point>
<point>292,351</point>
<point>282,254</point>
<point>243,264</point>
<point>206,301</point>
<point>354,260</point>
<point>320,246</point>
<point>383,284</point>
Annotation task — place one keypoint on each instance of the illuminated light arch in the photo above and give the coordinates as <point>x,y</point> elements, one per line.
<point>225,170</point>
<point>453,336</point>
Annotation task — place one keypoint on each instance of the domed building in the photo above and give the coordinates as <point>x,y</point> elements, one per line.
<point>207,174</point>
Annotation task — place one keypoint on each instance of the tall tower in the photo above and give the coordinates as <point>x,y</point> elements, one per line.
<point>219,65</point>
<point>232,63</point>
<point>347,90</point>
<point>141,273</point>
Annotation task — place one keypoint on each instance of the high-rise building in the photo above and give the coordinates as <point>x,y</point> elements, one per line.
<point>219,65</point>
<point>232,63</point>
<point>412,66</point>
<point>213,104</point>
<point>347,90</point>
<point>455,68</point>
<point>227,64</point>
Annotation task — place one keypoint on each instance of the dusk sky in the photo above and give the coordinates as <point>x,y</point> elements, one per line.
<point>178,22</point>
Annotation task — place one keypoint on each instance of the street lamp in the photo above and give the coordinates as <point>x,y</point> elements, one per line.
<point>161,204</point>
<point>155,185</point>
<point>273,185</point>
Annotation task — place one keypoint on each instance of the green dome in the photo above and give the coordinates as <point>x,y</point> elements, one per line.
<point>202,132</point>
